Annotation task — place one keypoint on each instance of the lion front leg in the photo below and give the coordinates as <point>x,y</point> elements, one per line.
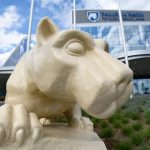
<point>76,120</point>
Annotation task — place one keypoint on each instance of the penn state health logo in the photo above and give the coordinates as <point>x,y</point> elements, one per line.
<point>93,16</point>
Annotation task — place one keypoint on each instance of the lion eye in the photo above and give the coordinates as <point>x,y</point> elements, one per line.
<point>75,48</point>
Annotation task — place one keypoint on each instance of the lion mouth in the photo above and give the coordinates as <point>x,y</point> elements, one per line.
<point>118,101</point>
<point>108,112</point>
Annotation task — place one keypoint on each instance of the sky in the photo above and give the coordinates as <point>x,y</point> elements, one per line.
<point>14,17</point>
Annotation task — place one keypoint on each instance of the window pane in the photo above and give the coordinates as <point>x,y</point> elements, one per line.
<point>86,29</point>
<point>132,36</point>
<point>112,35</point>
<point>94,32</point>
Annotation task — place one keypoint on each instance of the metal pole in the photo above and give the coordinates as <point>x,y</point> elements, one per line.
<point>123,35</point>
<point>30,25</point>
<point>74,14</point>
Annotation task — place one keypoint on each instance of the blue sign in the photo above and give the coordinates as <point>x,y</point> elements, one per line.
<point>93,16</point>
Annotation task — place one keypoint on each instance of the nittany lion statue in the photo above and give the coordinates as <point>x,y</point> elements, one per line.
<point>65,71</point>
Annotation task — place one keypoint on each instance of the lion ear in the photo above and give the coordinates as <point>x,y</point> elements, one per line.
<point>102,44</point>
<point>45,30</point>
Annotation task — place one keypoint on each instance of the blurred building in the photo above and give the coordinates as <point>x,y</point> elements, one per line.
<point>105,24</point>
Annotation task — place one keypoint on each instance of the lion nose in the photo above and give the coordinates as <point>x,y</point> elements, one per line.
<point>124,77</point>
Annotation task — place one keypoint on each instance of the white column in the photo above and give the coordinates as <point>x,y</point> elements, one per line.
<point>30,25</point>
<point>74,14</point>
<point>123,35</point>
<point>123,38</point>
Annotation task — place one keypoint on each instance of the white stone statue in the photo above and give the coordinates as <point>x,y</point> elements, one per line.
<point>65,71</point>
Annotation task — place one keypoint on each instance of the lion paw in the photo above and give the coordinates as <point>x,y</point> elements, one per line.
<point>16,125</point>
<point>83,123</point>
<point>45,121</point>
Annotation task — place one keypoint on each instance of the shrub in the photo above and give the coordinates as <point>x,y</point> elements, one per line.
<point>143,102</point>
<point>146,133</point>
<point>132,115</point>
<point>128,114</point>
<point>106,133</point>
<point>117,124</point>
<point>125,121</point>
<point>111,119</point>
<point>147,121</point>
<point>123,146</point>
<point>145,147</point>
<point>127,130</point>
<point>137,126</point>
<point>140,109</point>
<point>85,114</point>
<point>137,139</point>
<point>95,121</point>
<point>61,119</point>
<point>147,115</point>
<point>104,125</point>
<point>135,116</point>
<point>118,115</point>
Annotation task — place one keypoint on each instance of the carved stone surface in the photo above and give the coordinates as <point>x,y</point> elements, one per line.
<point>57,138</point>
<point>65,71</point>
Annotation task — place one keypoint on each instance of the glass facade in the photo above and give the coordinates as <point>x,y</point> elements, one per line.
<point>141,86</point>
<point>17,53</point>
<point>137,36</point>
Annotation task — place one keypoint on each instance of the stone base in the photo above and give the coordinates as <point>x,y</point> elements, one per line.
<point>62,137</point>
